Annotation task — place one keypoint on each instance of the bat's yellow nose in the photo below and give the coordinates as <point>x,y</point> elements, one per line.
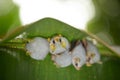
<point>63,44</point>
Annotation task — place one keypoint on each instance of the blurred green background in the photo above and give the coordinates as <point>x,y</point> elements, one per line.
<point>106,23</point>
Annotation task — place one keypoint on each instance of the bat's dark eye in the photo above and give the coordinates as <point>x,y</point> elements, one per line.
<point>53,42</point>
<point>60,40</point>
<point>76,64</point>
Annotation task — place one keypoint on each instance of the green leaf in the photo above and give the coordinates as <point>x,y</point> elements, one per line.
<point>106,23</point>
<point>9,17</point>
<point>46,27</point>
<point>49,27</point>
<point>17,65</point>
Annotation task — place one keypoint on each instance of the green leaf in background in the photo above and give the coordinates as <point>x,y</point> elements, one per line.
<point>9,17</point>
<point>17,65</point>
<point>106,24</point>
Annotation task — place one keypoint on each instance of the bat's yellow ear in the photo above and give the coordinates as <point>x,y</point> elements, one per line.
<point>48,39</point>
<point>60,35</point>
<point>56,38</point>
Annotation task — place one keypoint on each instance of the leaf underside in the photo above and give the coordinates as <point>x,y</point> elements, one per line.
<point>16,65</point>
